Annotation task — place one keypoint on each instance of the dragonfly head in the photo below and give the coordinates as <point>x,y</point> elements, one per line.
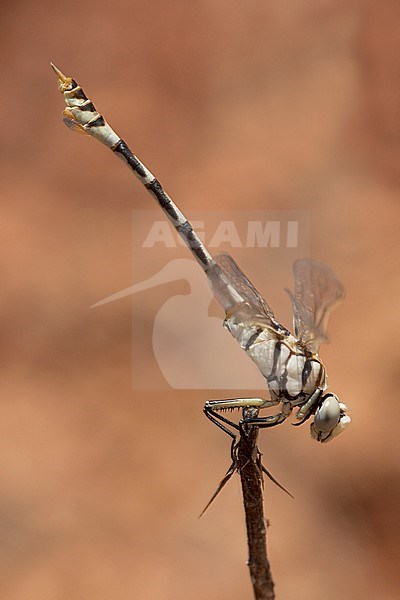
<point>330,419</point>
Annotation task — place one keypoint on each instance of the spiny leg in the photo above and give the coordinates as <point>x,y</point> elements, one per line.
<point>272,420</point>
<point>228,403</point>
<point>218,419</point>
<point>211,406</point>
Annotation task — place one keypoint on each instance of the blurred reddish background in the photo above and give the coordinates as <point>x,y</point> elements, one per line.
<point>257,105</point>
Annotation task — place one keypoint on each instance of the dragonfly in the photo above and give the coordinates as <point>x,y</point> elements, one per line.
<point>295,374</point>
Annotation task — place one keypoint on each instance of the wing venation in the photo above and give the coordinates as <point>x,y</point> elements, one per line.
<point>317,293</point>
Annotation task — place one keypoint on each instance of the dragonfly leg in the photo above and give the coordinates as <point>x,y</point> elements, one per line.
<point>306,410</point>
<point>272,420</point>
<point>218,420</point>
<point>212,406</point>
<point>238,403</point>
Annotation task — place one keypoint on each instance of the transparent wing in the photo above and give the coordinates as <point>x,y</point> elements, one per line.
<point>317,292</point>
<point>243,286</point>
<point>70,121</point>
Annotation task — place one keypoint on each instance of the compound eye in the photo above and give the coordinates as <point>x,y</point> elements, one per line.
<point>328,415</point>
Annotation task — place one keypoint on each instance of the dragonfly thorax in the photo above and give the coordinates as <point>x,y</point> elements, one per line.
<point>292,372</point>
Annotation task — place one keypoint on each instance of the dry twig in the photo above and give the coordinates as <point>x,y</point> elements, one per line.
<point>251,475</point>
